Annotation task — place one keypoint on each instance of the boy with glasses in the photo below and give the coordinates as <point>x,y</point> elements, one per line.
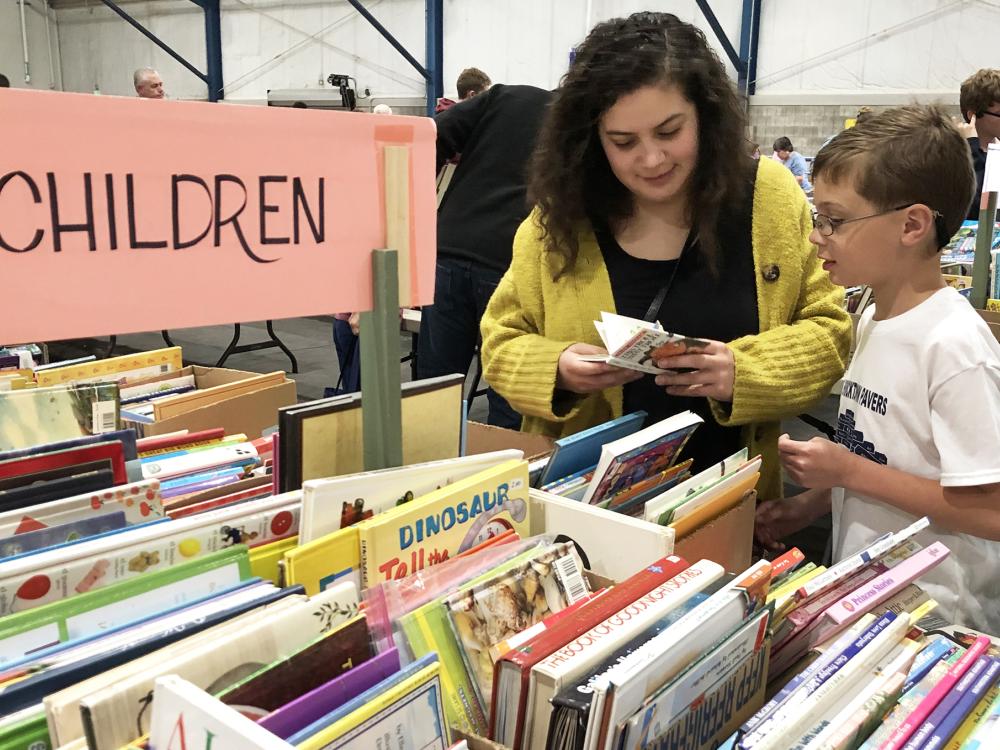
<point>918,431</point>
<point>980,102</point>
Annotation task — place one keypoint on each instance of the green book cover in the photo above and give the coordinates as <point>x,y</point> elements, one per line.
<point>134,599</point>
<point>28,734</point>
<point>428,629</point>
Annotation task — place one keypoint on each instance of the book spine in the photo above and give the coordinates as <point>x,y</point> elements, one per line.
<point>887,584</point>
<point>787,562</point>
<point>878,548</point>
<point>987,733</point>
<point>786,705</point>
<point>936,650</point>
<point>903,732</point>
<point>631,618</point>
<point>816,606</point>
<point>972,694</point>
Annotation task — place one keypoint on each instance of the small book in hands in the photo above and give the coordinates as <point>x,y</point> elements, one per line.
<point>631,343</point>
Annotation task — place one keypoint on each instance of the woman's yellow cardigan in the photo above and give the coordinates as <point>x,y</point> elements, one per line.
<point>791,364</point>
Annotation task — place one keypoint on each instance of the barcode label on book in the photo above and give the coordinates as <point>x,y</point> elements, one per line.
<point>104,417</point>
<point>571,577</point>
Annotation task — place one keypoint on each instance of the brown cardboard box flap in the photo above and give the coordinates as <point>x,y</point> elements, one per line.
<point>727,539</point>
<point>484,438</point>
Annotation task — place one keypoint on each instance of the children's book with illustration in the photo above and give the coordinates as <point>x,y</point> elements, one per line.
<point>635,344</point>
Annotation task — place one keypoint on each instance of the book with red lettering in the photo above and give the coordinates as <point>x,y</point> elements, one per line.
<point>111,451</point>
<point>512,675</point>
<point>160,443</point>
<point>574,659</point>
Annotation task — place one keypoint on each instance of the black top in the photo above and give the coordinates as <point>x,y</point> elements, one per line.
<point>979,166</point>
<point>697,304</point>
<point>487,199</point>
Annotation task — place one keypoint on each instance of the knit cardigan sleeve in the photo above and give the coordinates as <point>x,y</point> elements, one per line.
<point>519,361</point>
<point>802,348</point>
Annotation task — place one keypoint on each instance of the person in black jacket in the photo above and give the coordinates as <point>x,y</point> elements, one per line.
<point>980,103</point>
<point>477,218</point>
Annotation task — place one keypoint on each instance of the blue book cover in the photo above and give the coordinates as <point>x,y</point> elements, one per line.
<point>34,541</point>
<point>33,690</point>
<point>576,452</point>
<point>87,539</point>
<point>362,699</point>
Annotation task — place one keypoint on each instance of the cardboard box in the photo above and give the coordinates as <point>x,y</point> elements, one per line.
<point>727,540</point>
<point>483,438</point>
<point>249,413</point>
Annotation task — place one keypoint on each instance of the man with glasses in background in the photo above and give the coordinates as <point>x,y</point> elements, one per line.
<point>980,102</point>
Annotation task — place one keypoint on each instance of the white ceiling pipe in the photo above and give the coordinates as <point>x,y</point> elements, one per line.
<point>24,45</point>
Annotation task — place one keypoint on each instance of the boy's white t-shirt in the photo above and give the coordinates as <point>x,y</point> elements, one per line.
<point>922,395</point>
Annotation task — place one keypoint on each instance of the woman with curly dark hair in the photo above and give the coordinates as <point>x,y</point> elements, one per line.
<point>648,205</point>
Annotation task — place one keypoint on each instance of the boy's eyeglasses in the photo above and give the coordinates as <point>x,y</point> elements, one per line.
<point>987,112</point>
<point>826,225</point>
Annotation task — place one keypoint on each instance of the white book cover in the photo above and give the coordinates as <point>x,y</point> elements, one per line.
<point>655,507</point>
<point>665,707</point>
<point>582,653</point>
<point>631,342</point>
<point>592,528</point>
<point>853,563</point>
<point>115,704</point>
<point>651,666</point>
<point>60,572</point>
<point>140,501</point>
<point>185,716</point>
<point>200,460</point>
<point>326,502</point>
<point>789,723</point>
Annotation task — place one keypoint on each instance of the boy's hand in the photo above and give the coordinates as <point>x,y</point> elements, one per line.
<point>967,129</point>
<point>816,463</point>
<point>579,376</point>
<point>713,376</point>
<point>777,519</point>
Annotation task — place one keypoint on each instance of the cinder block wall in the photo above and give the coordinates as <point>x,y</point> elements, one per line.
<point>807,125</point>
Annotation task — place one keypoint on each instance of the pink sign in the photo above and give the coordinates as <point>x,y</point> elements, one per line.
<point>120,215</point>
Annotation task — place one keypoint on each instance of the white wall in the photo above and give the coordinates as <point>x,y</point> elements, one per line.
<point>875,46</point>
<point>11,49</point>
<point>869,48</point>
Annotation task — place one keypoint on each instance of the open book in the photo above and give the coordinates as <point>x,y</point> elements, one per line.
<point>631,343</point>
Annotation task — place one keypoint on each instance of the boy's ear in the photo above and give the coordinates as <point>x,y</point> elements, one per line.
<point>919,227</point>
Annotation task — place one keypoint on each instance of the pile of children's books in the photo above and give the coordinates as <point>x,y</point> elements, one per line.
<point>161,591</point>
<point>624,467</point>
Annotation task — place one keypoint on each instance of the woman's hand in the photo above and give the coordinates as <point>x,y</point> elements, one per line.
<point>713,371</point>
<point>815,463</point>
<point>579,376</point>
<point>778,519</point>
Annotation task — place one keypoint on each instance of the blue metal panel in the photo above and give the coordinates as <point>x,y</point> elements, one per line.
<point>749,35</point>
<point>435,52</point>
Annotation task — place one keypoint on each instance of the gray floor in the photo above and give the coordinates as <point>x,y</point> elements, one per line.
<point>309,339</point>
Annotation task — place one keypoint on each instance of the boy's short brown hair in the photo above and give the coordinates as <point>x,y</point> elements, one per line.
<point>904,155</point>
<point>979,91</point>
<point>472,80</point>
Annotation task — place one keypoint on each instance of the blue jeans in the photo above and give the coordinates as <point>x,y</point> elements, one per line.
<point>348,357</point>
<point>449,329</point>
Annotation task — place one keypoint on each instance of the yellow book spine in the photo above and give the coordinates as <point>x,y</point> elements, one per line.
<point>727,500</point>
<point>264,559</point>
<point>972,721</point>
<point>319,563</point>
<point>324,737</point>
<point>167,360</point>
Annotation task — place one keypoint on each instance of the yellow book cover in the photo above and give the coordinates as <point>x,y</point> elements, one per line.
<point>321,562</point>
<point>409,710</point>
<point>806,572</point>
<point>719,505</point>
<point>443,523</point>
<point>993,305</point>
<point>264,559</point>
<point>138,365</point>
<point>974,720</point>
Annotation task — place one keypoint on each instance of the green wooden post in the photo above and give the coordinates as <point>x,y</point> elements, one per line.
<point>381,407</point>
<point>984,242</point>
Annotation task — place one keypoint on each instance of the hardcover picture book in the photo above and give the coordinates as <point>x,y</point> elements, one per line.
<point>46,415</point>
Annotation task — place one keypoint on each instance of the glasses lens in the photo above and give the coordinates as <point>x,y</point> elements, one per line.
<point>822,225</point>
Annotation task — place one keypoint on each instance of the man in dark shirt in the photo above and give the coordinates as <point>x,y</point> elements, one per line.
<point>486,202</point>
<point>980,103</point>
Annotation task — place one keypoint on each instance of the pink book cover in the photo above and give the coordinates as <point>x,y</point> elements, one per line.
<point>871,594</point>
